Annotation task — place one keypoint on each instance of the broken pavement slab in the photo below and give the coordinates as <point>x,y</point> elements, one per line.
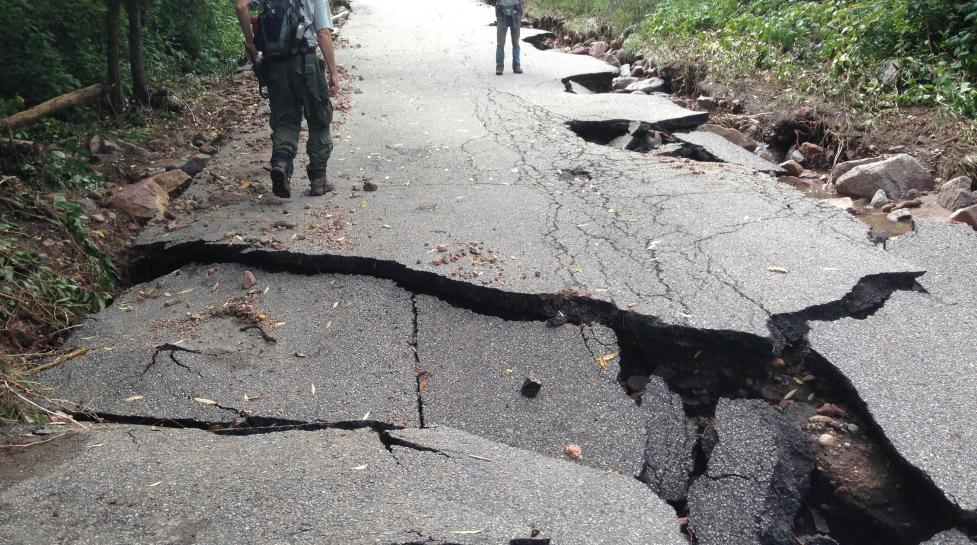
<point>689,244</point>
<point>336,349</point>
<point>671,442</point>
<point>718,148</point>
<point>122,485</point>
<point>912,363</point>
<point>474,367</point>
<point>757,477</point>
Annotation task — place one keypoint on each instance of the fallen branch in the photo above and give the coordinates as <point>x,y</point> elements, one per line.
<point>74,98</point>
<point>61,360</point>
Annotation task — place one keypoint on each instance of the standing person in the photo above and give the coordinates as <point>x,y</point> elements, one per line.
<point>508,16</point>
<point>288,32</point>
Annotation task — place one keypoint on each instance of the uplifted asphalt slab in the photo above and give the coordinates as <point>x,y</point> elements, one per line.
<point>122,485</point>
<point>529,385</point>
<point>338,349</point>
<point>466,156</point>
<point>913,362</point>
<point>724,151</point>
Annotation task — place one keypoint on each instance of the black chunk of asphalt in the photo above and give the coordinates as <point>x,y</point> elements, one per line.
<point>530,388</point>
<point>758,474</point>
<point>671,442</point>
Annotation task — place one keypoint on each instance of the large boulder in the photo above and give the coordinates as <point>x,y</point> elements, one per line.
<point>599,49</point>
<point>966,215</point>
<point>757,476</point>
<point>670,442</point>
<point>957,194</point>
<point>841,169</point>
<point>143,200</point>
<point>897,176</point>
<point>650,85</point>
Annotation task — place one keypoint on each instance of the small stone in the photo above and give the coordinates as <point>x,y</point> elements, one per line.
<point>899,215</point>
<point>778,363</point>
<point>879,200</point>
<point>249,280</point>
<point>827,440</point>
<point>357,187</point>
<point>442,248</point>
<point>172,302</point>
<point>830,409</point>
<point>812,152</point>
<point>707,103</point>
<point>208,149</point>
<point>370,185</point>
<point>530,388</point>
<point>966,215</point>
<point>98,218</point>
<point>573,452</point>
<point>792,167</point>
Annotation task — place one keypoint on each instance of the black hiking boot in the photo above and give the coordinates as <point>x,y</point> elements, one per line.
<point>517,69</point>
<point>281,174</point>
<point>320,186</point>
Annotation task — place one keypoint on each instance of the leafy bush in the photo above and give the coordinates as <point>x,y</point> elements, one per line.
<point>847,44</point>
<point>53,47</point>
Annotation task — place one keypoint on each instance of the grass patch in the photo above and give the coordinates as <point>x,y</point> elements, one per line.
<point>869,54</point>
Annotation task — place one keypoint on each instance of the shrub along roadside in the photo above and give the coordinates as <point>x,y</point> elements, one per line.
<point>872,54</point>
<point>53,47</point>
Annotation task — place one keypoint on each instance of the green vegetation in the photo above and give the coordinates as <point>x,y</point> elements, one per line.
<point>871,53</point>
<point>51,48</point>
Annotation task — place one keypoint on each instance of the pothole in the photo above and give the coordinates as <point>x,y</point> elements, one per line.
<point>541,41</point>
<point>588,84</point>
<point>638,137</point>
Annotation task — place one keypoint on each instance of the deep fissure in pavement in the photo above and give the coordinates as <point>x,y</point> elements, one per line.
<point>904,507</point>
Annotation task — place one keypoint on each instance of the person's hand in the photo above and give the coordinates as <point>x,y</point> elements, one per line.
<point>333,84</point>
<point>251,51</point>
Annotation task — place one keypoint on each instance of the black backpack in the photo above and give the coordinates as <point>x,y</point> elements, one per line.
<point>281,29</point>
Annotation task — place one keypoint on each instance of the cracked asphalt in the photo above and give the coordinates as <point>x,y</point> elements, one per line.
<point>404,323</point>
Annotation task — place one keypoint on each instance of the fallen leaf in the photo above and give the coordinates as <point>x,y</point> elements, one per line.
<point>467,532</point>
<point>157,483</point>
<point>604,359</point>
<point>780,270</point>
<point>366,416</point>
<point>252,397</point>
<point>573,451</point>
<point>205,401</point>
<point>301,355</point>
<point>134,398</point>
<point>312,389</point>
<point>96,446</point>
<point>790,394</point>
<point>360,468</point>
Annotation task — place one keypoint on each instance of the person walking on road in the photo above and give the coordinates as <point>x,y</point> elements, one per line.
<point>508,17</point>
<point>282,42</point>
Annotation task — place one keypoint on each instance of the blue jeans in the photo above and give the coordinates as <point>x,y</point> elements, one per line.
<point>507,23</point>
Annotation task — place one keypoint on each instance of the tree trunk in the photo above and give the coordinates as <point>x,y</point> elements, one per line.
<point>54,105</point>
<point>114,72</point>
<point>136,58</point>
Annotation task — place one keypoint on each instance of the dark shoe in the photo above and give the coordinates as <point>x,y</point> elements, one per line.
<point>517,69</point>
<point>279,181</point>
<point>320,186</point>
<point>498,71</point>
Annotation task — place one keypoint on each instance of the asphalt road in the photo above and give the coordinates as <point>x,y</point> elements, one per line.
<point>490,204</point>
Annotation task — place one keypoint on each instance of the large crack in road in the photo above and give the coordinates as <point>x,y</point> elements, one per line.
<point>522,337</point>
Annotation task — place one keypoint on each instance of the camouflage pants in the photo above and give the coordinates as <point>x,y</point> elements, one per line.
<point>298,84</point>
